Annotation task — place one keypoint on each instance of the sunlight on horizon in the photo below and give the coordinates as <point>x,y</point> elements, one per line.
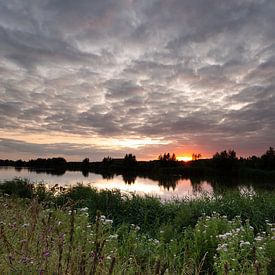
<point>184,158</point>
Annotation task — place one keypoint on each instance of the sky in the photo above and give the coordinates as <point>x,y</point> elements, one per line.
<point>95,78</point>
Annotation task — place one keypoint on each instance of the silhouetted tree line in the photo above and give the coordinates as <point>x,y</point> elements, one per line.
<point>265,162</point>
<point>168,160</point>
<point>225,162</point>
<point>58,163</point>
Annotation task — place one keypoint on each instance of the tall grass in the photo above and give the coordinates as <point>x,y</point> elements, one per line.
<point>148,212</point>
<point>39,240</point>
<point>64,232</point>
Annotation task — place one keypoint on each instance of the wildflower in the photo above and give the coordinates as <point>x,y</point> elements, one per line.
<point>222,247</point>
<point>156,241</point>
<point>258,238</point>
<point>108,221</point>
<point>223,237</point>
<point>46,253</point>
<point>115,236</point>
<point>84,209</point>
<point>136,227</point>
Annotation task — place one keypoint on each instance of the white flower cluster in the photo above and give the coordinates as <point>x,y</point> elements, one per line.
<point>136,227</point>
<point>105,221</point>
<point>243,243</point>
<point>223,247</point>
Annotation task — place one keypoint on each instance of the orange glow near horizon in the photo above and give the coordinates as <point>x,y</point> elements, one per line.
<point>184,158</point>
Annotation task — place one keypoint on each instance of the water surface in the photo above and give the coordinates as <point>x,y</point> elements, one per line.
<point>167,188</point>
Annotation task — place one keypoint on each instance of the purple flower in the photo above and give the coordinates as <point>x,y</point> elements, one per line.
<point>46,253</point>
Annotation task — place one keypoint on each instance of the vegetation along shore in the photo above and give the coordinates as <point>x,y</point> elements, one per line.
<point>85,231</point>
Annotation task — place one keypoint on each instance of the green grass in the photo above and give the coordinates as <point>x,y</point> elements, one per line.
<point>36,239</point>
<point>63,232</point>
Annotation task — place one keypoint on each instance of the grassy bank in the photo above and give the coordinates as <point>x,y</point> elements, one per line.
<point>84,231</point>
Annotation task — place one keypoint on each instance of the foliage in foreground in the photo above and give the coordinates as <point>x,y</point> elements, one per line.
<point>38,239</point>
<point>150,213</point>
<point>62,231</point>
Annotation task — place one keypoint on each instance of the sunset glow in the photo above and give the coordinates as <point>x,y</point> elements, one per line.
<point>184,158</point>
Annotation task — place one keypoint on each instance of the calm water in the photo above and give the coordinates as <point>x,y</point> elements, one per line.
<point>164,188</point>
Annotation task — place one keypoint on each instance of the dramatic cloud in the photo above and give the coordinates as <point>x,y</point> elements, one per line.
<point>106,77</point>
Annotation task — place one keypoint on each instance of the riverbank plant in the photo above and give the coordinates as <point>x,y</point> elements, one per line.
<point>36,238</point>
<point>86,231</point>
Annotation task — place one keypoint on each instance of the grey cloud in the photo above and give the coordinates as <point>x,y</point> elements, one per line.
<point>122,89</point>
<point>185,71</point>
<point>48,150</point>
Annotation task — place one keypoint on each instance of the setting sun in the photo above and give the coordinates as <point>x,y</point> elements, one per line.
<point>184,158</point>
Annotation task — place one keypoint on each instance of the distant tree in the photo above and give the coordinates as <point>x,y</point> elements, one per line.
<point>107,161</point>
<point>167,159</point>
<point>196,156</point>
<point>268,159</point>
<point>226,162</point>
<point>86,161</point>
<point>85,164</point>
<point>252,162</point>
<point>129,160</point>
<point>173,157</point>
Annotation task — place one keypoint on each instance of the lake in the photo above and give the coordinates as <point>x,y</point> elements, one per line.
<point>165,188</point>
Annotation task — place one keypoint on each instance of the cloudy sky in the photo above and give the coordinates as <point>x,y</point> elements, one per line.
<point>92,78</point>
